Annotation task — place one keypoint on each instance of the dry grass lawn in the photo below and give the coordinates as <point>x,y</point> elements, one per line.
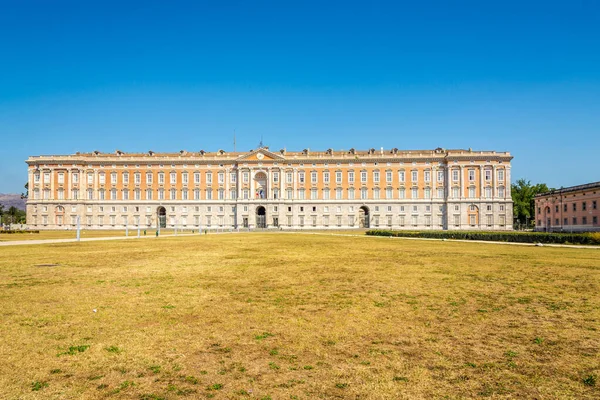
<point>297,316</point>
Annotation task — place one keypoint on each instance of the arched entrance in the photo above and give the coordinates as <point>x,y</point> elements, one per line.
<point>161,214</point>
<point>261,217</point>
<point>363,217</point>
<point>260,181</point>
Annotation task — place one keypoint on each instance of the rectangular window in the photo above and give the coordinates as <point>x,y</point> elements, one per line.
<point>440,176</point>
<point>275,177</point>
<point>501,175</point>
<point>414,193</point>
<point>389,193</point>
<point>440,193</point>
<point>376,176</point>
<point>61,177</point>
<point>574,206</point>
<point>101,178</point>
<point>221,177</point>
<point>350,176</point>
<point>471,175</point>
<point>363,176</point>
<point>313,177</point>
<point>574,220</point>
<point>233,177</point>
<point>388,176</point>
<point>401,176</point>
<point>455,173</point>
<point>414,176</point>
<point>288,177</point>
<point>137,178</point>
<point>594,205</point>
<point>113,178</point>
<point>583,206</point>
<point>209,178</point>
<point>338,177</point>
<point>472,192</point>
<point>125,178</point>
<point>427,176</point>
<point>149,178</point>
<point>301,177</point>
<point>184,178</point>
<point>364,193</point>
<point>325,177</point>
<point>173,178</point>
<point>197,178</point>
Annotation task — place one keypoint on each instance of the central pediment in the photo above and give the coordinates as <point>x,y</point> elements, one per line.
<point>261,154</point>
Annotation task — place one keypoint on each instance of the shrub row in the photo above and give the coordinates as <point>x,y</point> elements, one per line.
<point>8,232</point>
<point>519,237</point>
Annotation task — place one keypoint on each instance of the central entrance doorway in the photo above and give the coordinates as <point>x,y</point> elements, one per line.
<point>161,214</point>
<point>261,217</point>
<point>363,217</point>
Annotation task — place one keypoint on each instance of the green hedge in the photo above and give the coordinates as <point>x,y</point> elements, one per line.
<point>16,231</point>
<point>519,237</point>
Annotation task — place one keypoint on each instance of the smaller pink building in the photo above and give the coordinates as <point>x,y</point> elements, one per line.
<point>571,209</point>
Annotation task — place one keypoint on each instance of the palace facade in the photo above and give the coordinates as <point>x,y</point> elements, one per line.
<point>387,189</point>
<point>570,209</point>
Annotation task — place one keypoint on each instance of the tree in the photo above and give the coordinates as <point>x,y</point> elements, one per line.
<point>523,193</point>
<point>26,194</point>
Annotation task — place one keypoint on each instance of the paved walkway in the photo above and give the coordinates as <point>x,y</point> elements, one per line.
<point>49,241</point>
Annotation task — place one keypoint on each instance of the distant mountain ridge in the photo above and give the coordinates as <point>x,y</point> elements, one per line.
<point>12,200</point>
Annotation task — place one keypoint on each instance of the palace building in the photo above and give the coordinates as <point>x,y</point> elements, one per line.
<point>387,189</point>
<point>570,209</point>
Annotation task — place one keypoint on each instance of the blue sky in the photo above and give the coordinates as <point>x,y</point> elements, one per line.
<point>520,76</point>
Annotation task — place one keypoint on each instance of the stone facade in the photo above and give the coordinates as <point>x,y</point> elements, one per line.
<point>391,189</point>
<point>571,209</point>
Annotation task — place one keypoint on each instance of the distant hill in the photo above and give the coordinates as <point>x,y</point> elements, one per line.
<point>12,200</point>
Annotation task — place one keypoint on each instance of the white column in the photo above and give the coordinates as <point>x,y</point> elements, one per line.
<point>69,187</point>
<point>295,182</point>
<point>462,182</point>
<point>481,171</point>
<point>227,170</point>
<point>448,181</point>
<point>494,182</point>
<point>252,190</point>
<point>433,183</point>
<point>51,171</point>
<point>269,183</point>
<point>507,187</point>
